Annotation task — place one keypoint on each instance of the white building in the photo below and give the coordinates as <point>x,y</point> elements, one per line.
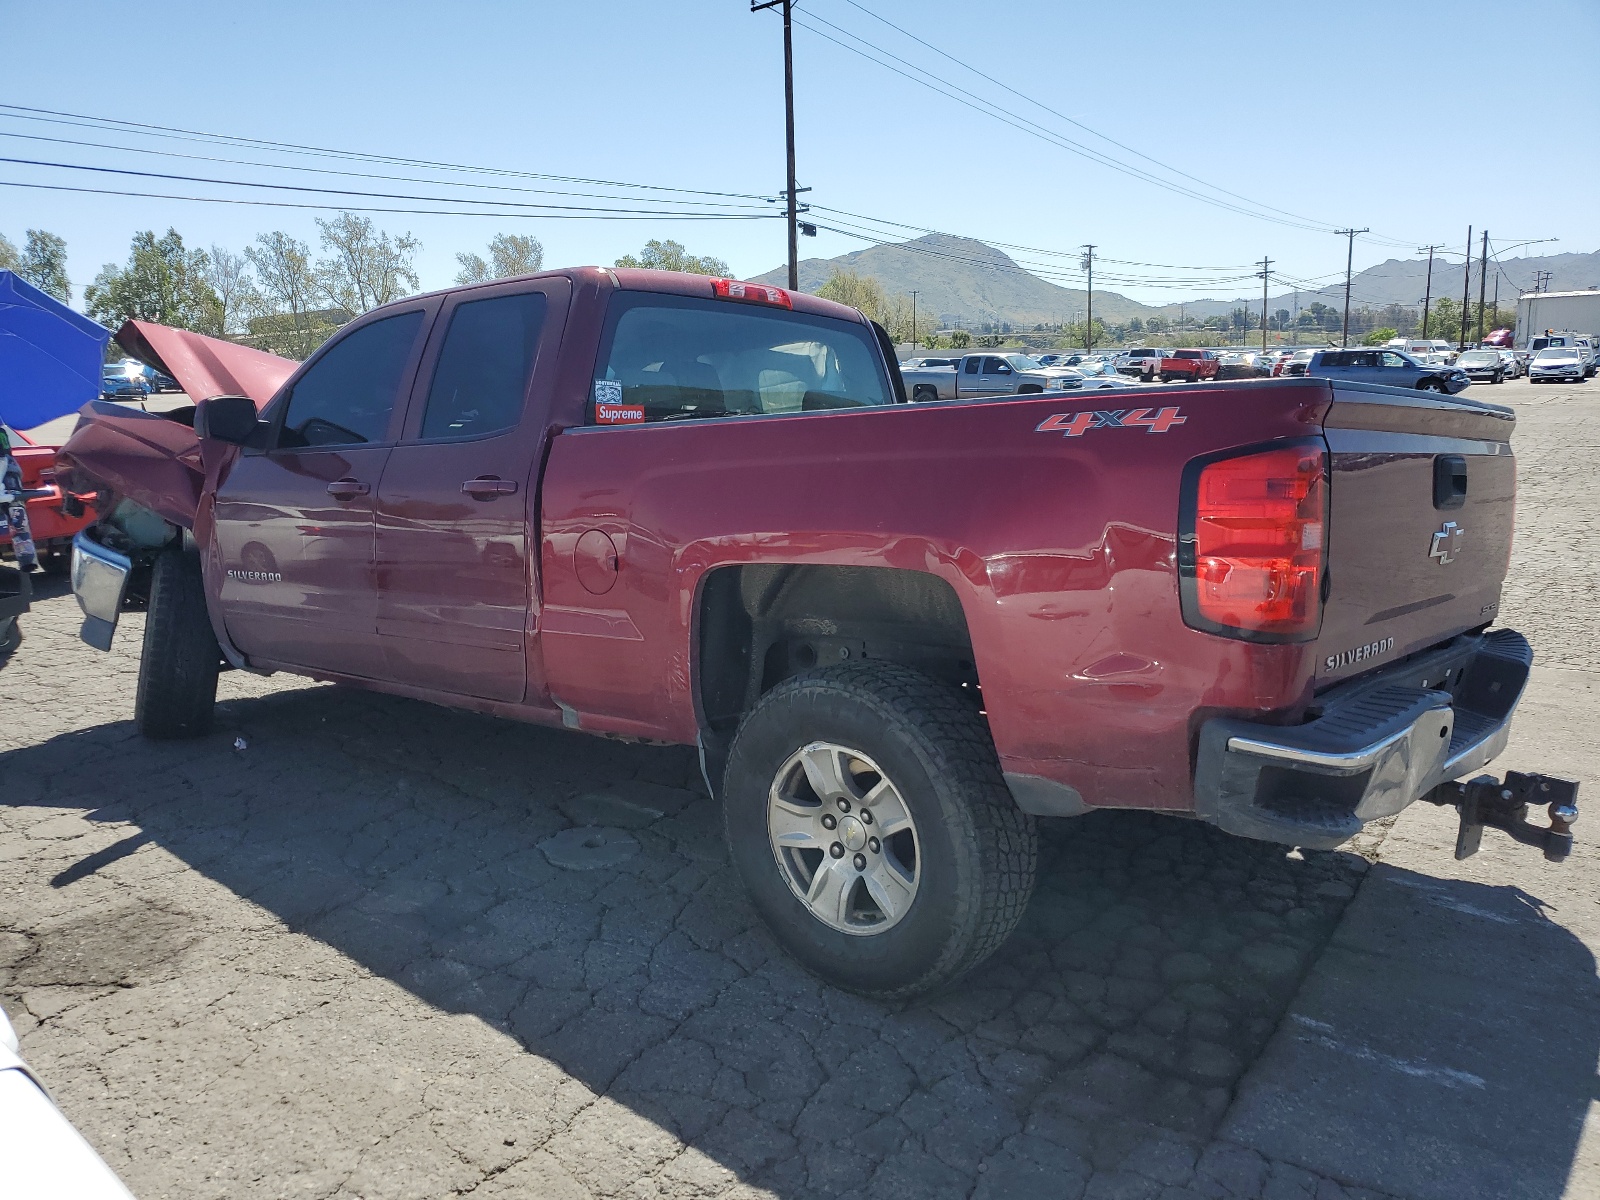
<point>1575,312</point>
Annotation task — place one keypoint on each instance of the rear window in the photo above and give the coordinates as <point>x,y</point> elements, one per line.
<point>666,358</point>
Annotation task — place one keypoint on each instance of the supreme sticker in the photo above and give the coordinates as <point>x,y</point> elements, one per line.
<point>608,406</point>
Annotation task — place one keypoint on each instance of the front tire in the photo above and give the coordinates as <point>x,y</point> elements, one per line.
<point>866,813</point>
<point>178,667</point>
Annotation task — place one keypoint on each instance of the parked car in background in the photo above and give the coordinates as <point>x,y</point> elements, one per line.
<point>117,384</point>
<point>1557,364</point>
<point>1514,365</point>
<point>1189,366</point>
<point>1143,361</point>
<point>1483,364</point>
<point>54,514</point>
<point>1388,367</point>
<point>988,374</point>
<point>911,364</point>
<point>1500,339</point>
<point>1232,365</point>
<point>1295,364</point>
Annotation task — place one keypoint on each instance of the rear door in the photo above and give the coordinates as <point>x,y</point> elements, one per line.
<point>1422,504</point>
<point>455,509</point>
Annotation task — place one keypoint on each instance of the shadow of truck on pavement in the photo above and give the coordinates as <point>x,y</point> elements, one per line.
<point>1109,1036</point>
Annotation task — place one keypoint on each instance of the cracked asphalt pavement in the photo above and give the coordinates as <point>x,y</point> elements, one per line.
<point>350,945</point>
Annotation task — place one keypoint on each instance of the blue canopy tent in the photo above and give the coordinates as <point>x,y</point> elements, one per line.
<point>50,356</point>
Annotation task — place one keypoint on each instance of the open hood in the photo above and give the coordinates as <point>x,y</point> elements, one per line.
<point>206,366</point>
<point>153,458</point>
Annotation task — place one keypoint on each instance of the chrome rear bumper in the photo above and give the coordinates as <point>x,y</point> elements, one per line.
<point>1379,744</point>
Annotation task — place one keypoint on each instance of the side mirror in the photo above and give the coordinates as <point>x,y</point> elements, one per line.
<point>228,419</point>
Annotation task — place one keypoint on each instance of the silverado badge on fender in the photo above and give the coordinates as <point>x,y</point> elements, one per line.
<point>1077,424</point>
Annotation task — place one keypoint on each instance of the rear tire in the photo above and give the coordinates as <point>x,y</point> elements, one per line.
<point>952,874</point>
<point>924,394</point>
<point>178,667</point>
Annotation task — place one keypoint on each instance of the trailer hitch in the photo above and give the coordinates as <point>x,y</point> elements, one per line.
<point>1504,805</point>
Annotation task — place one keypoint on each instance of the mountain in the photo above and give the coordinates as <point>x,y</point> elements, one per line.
<point>962,280</point>
<point>966,282</point>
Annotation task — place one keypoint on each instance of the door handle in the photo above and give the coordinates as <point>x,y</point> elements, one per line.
<point>485,486</point>
<point>347,489</point>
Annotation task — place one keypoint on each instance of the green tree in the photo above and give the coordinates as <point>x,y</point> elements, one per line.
<point>162,282</point>
<point>1135,326</point>
<point>510,254</point>
<point>1379,336</point>
<point>42,262</point>
<point>229,276</point>
<point>671,256</point>
<point>289,288</point>
<point>960,339</point>
<point>1444,319</point>
<point>365,267</point>
<point>931,341</point>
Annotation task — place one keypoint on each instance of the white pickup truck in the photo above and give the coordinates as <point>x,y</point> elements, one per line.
<point>991,374</point>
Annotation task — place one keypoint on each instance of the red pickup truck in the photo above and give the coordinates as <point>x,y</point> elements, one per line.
<point>669,507</point>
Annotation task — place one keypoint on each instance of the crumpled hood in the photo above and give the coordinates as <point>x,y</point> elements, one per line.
<point>206,366</point>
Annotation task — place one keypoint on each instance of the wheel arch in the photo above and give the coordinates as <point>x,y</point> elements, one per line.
<point>756,625</point>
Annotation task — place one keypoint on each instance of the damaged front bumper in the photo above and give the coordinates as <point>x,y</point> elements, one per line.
<point>1379,744</point>
<point>100,582</point>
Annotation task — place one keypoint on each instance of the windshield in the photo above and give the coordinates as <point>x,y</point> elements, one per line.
<point>1021,362</point>
<point>1479,356</point>
<point>1554,355</point>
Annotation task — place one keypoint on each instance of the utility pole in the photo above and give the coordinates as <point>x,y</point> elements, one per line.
<point>1427,294</point>
<point>914,320</point>
<point>790,193</point>
<point>1349,260</point>
<point>1266,272</point>
<point>1087,262</point>
<point>1483,280</point>
<point>1466,293</point>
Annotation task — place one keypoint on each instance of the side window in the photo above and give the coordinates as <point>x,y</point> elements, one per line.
<point>973,364</point>
<point>1391,359</point>
<point>482,374</point>
<point>346,396</point>
<point>667,358</point>
<point>994,366</point>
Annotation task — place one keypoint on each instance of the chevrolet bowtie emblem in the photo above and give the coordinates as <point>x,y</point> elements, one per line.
<point>1447,543</point>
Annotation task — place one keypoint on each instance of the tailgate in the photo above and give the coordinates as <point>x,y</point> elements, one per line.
<point>1412,561</point>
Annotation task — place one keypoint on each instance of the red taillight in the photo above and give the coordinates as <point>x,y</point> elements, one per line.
<point>752,293</point>
<point>1252,559</point>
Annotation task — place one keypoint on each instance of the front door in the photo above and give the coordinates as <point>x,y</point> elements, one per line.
<point>293,524</point>
<point>998,379</point>
<point>456,504</point>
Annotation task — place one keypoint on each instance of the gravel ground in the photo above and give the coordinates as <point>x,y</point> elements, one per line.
<point>331,950</point>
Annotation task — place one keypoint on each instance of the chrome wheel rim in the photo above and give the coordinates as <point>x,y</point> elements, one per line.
<point>844,839</point>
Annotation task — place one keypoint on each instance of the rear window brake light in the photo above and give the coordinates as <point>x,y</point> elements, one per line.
<point>750,293</point>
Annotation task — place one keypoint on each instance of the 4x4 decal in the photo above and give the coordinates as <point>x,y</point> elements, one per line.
<point>1077,424</point>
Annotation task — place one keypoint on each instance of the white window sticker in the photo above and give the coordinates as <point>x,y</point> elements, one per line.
<point>608,391</point>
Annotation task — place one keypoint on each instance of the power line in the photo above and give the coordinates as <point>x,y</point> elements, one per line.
<point>593,215</point>
<point>272,166</point>
<point>117,124</point>
<point>322,191</point>
<point>1034,129</point>
<point>967,66</point>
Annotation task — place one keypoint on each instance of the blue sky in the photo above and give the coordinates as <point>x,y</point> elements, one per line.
<point>1339,115</point>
